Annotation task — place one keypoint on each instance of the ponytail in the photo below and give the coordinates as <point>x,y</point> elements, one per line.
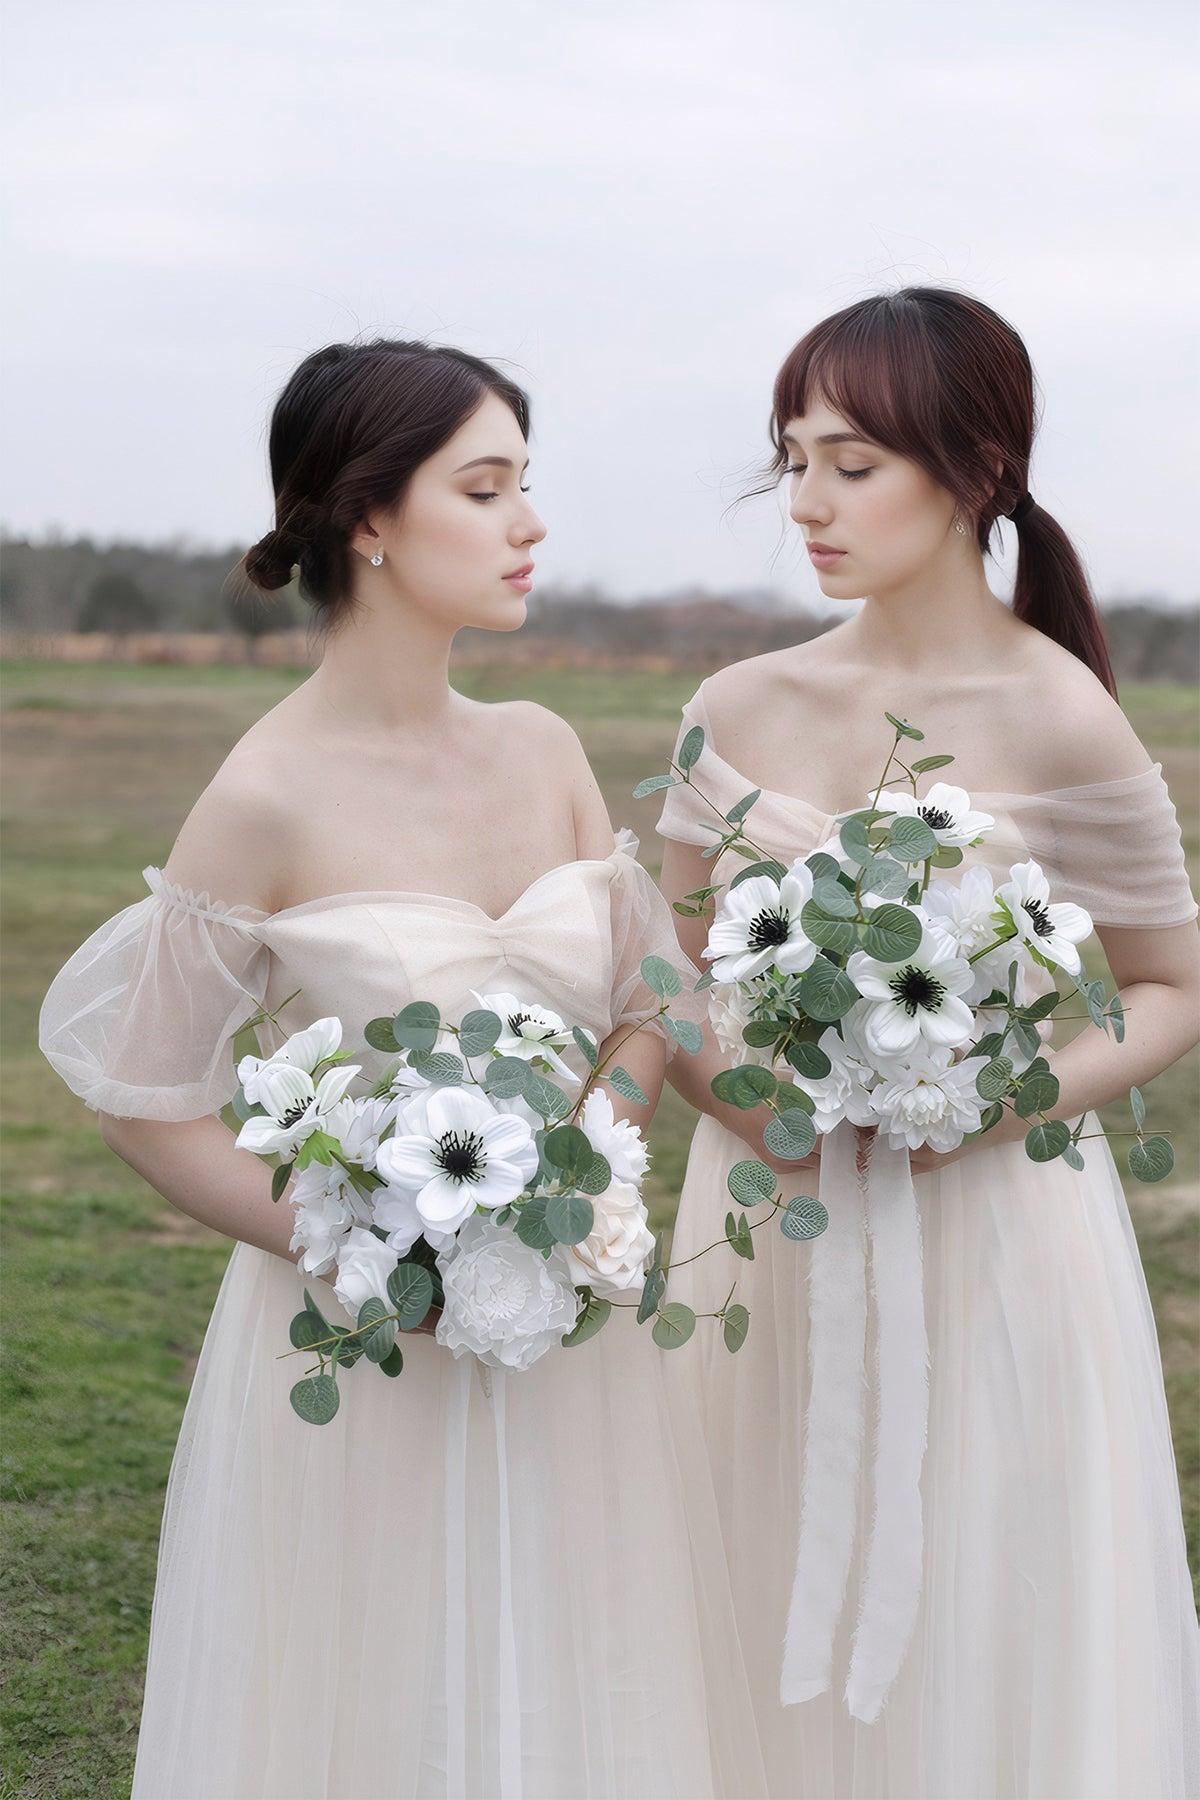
<point>1052,592</point>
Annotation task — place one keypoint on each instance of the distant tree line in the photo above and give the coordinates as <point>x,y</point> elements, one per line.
<point>57,585</point>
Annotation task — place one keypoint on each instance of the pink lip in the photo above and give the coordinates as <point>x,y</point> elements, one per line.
<point>823,555</point>
<point>522,578</point>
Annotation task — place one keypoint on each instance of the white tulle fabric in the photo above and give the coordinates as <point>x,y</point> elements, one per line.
<point>513,1587</point>
<point>984,1556</point>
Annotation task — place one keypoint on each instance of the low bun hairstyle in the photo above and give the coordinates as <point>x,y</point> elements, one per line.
<point>940,378</point>
<point>349,430</point>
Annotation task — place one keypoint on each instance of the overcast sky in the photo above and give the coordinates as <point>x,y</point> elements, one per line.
<point>640,206</point>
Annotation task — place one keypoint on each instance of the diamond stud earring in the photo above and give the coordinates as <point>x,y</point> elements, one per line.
<point>377,559</point>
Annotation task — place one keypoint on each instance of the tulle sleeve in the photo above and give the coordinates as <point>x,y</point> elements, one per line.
<point>1113,847</point>
<point>685,816</point>
<point>140,1021</point>
<point>642,926</point>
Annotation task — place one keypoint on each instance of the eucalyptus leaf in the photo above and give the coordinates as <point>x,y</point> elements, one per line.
<point>1026,1038</point>
<point>1138,1107</point>
<point>990,1117</point>
<point>1151,1159</point>
<point>1116,1014</point>
<point>544,1096</point>
<point>946,856</point>
<point>994,1078</point>
<point>803,1218</point>
<point>380,1036</point>
<point>410,1290</point>
<point>744,1087</point>
<point>905,729</point>
<point>652,1292</point>
<point>307,1329</point>
<point>737,813</point>
<point>531,1225</point>
<point>441,1068</point>
<point>416,1026</point>
<point>623,1081</point>
<point>791,1136</point>
<point>479,1031</point>
<point>891,934</point>
<point>504,1077</point>
<point>660,975</point>
<point>316,1399</point>
<point>736,1324</point>
<point>826,992</point>
<point>808,1059</point>
<point>586,1045</point>
<point>930,762</point>
<point>567,1148</point>
<point>1072,1158</point>
<point>594,1315</point>
<point>691,747</point>
<point>910,839</point>
<point>1036,1095</point>
<point>1044,1142</point>
<point>838,935</point>
<point>569,1217</point>
<point>686,1034</point>
<point>774,870</point>
<point>884,877</point>
<point>821,864</point>
<point>1042,1007</point>
<point>393,1362</point>
<point>674,1325</point>
<point>751,1182</point>
<point>653,784</point>
<point>597,1177</point>
<point>1094,997</point>
<point>855,842</point>
<point>279,1180</point>
<point>376,1344</point>
<point>832,898</point>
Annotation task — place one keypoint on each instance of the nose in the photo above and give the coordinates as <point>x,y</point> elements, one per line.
<point>806,506</point>
<point>528,528</point>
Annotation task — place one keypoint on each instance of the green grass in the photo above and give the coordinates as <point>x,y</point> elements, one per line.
<point>108,1290</point>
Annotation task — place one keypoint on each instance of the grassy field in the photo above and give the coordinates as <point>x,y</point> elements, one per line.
<point>108,1290</point>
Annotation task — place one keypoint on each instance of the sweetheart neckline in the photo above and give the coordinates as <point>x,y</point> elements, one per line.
<point>240,913</point>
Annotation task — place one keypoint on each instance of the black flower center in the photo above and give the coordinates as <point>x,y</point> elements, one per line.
<point>516,1020</point>
<point>294,1114</point>
<point>1040,917</point>
<point>461,1155</point>
<point>935,818</point>
<point>768,930</point>
<point>915,988</point>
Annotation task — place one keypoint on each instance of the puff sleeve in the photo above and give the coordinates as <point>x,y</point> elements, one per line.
<point>140,1021</point>
<point>642,926</point>
<point>1112,847</point>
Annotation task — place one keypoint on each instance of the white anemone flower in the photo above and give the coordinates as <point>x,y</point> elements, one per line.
<point>295,1107</point>
<point>618,1140</point>
<point>303,1050</point>
<point>935,1102</point>
<point>533,1033</point>
<point>453,1151</point>
<point>945,809</point>
<point>758,927</point>
<point>915,1001</point>
<point>1049,930</point>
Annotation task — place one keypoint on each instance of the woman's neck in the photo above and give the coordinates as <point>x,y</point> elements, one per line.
<point>944,621</point>
<point>386,667</point>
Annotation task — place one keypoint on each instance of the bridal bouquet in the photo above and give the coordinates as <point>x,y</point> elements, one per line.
<point>853,985</point>
<point>478,1175</point>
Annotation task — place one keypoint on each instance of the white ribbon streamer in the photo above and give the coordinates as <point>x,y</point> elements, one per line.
<point>881,1193</point>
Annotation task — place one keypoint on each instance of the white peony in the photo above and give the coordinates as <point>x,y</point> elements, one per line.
<point>757,927</point>
<point>843,1093</point>
<point>729,1012</point>
<point>945,809</point>
<point>303,1050</point>
<point>935,1102</point>
<point>531,1032</point>
<point>504,1303</point>
<point>916,1001</point>
<point>364,1263</point>
<point>358,1126</point>
<point>453,1151</point>
<point>1051,931</point>
<point>323,1218</point>
<point>612,1257</point>
<point>619,1141</point>
<point>965,911</point>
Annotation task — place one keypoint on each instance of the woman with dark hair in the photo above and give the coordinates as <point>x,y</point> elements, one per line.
<point>460,1586</point>
<point>1025,1623</point>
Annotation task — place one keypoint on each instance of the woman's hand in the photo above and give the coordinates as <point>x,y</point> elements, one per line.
<point>1010,1130</point>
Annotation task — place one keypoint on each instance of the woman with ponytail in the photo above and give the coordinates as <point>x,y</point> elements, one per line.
<point>1017,1620</point>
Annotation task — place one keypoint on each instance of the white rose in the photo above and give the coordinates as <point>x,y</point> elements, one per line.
<point>323,1214</point>
<point>617,1140</point>
<point>729,1014</point>
<point>364,1264</point>
<point>612,1256</point>
<point>504,1303</point>
<point>935,1103</point>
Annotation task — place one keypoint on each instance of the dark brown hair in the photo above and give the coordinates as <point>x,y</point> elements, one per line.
<point>348,432</point>
<point>939,377</point>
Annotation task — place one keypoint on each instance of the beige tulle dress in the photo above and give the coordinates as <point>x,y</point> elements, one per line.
<point>502,1589</point>
<point>1026,1626</point>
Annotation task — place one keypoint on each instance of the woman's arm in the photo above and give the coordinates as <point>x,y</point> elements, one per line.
<point>684,870</point>
<point>1157,974</point>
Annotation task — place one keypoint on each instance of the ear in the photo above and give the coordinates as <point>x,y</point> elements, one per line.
<point>365,541</point>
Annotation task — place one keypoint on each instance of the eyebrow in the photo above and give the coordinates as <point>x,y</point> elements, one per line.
<point>831,437</point>
<point>494,462</point>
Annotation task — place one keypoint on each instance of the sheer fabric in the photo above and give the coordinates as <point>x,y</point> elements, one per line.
<point>507,1589</point>
<point>1055,1652</point>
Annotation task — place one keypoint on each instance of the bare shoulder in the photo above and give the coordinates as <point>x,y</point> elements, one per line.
<point>1082,734</point>
<point>558,763</point>
<point>235,840</point>
<point>739,696</point>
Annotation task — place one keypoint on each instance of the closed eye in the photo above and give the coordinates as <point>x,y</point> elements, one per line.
<point>492,496</point>
<point>846,474</point>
